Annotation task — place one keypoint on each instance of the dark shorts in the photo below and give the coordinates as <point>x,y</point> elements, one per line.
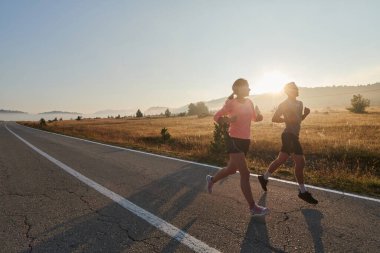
<point>236,145</point>
<point>291,144</point>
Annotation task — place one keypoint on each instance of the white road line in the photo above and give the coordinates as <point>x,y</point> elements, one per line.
<point>174,232</point>
<point>211,166</point>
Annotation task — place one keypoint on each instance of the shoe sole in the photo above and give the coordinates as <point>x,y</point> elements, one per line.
<point>260,214</point>
<point>313,203</point>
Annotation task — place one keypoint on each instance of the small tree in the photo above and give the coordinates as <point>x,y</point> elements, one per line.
<point>165,135</point>
<point>358,104</point>
<point>199,109</point>
<point>79,118</point>
<point>167,113</point>
<point>42,122</point>
<point>192,109</point>
<point>139,114</point>
<point>202,109</point>
<point>218,145</point>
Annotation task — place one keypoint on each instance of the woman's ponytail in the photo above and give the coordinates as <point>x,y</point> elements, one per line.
<point>231,96</point>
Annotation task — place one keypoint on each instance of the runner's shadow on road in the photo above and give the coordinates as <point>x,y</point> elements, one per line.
<point>115,229</point>
<point>313,219</point>
<point>256,238</point>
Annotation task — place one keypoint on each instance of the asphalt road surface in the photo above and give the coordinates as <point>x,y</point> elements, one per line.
<point>118,200</point>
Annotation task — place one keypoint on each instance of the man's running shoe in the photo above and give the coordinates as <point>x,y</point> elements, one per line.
<point>306,196</point>
<point>210,184</point>
<point>263,182</point>
<point>259,211</point>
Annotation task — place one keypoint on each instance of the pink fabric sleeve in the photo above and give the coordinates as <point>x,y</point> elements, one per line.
<point>224,111</point>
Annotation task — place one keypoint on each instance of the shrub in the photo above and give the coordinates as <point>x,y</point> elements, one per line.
<point>358,104</point>
<point>42,122</point>
<point>218,145</point>
<point>165,135</point>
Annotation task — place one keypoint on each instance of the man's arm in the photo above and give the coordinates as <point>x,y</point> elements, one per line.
<point>277,116</point>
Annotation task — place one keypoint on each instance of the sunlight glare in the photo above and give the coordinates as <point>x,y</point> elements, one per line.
<point>272,82</point>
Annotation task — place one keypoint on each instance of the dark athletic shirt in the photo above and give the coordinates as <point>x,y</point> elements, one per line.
<point>291,110</point>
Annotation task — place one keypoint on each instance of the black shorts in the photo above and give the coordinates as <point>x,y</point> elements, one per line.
<point>236,145</point>
<point>291,144</point>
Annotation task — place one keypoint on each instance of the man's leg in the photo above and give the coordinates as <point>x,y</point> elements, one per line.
<point>303,193</point>
<point>299,161</point>
<point>281,159</point>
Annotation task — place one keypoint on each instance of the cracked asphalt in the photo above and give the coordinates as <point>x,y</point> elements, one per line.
<point>44,209</point>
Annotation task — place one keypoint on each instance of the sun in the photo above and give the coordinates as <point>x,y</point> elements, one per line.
<point>272,82</point>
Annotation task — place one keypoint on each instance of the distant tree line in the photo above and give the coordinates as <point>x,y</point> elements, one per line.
<point>200,109</point>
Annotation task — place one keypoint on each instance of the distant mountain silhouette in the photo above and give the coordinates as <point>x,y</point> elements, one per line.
<point>156,110</point>
<point>59,112</point>
<point>10,111</point>
<point>319,98</point>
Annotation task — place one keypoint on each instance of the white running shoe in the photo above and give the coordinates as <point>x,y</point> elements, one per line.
<point>259,211</point>
<point>210,184</point>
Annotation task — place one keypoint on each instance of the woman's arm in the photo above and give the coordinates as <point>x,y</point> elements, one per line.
<point>219,116</point>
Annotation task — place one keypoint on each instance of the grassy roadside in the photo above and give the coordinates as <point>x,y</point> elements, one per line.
<point>342,149</point>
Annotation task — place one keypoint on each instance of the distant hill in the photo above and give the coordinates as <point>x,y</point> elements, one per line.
<point>316,98</point>
<point>156,110</point>
<point>335,97</point>
<point>110,112</point>
<point>59,112</point>
<point>10,111</point>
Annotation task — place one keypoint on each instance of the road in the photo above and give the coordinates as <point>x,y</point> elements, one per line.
<point>43,208</point>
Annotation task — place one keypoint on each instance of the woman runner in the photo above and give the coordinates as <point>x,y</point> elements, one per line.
<point>240,112</point>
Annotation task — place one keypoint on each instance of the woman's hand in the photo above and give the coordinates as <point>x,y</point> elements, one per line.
<point>227,120</point>
<point>223,120</point>
<point>259,117</point>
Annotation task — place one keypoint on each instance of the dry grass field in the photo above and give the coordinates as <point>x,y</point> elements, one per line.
<point>342,149</point>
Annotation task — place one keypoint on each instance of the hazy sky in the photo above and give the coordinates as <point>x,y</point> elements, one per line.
<point>84,56</point>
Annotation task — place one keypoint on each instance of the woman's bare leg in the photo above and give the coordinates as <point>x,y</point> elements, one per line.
<point>245,186</point>
<point>225,172</point>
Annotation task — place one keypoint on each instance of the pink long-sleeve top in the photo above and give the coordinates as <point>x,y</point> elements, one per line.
<point>244,112</point>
